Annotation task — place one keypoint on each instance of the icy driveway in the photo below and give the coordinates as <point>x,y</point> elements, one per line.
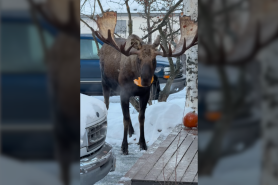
<point>160,119</point>
<point>123,164</point>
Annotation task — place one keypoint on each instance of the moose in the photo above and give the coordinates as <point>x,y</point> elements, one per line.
<point>128,65</point>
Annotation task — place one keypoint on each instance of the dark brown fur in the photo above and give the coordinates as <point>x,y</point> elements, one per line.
<point>118,73</point>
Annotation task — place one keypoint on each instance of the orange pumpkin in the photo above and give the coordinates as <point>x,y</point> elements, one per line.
<point>138,82</point>
<point>190,119</point>
<point>213,116</point>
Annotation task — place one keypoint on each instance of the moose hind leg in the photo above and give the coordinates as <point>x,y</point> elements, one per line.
<point>130,129</point>
<point>143,104</point>
<point>127,122</point>
<point>106,94</point>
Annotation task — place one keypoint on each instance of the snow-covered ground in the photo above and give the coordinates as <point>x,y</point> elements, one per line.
<point>44,172</point>
<point>243,168</point>
<point>160,119</point>
<point>240,169</point>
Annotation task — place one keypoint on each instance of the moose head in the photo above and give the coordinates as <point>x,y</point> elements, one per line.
<point>146,53</point>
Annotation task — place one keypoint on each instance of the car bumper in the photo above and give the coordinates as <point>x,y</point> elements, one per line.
<point>93,168</point>
<point>177,85</point>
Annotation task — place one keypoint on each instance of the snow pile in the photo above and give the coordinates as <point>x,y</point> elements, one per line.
<point>125,179</point>
<point>160,118</point>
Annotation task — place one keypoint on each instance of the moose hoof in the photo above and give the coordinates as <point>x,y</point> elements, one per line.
<point>125,149</point>
<point>143,145</point>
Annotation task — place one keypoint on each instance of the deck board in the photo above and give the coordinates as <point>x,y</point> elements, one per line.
<point>196,178</point>
<point>185,162</point>
<point>176,158</point>
<point>163,161</point>
<point>191,172</point>
<point>178,151</point>
<point>152,159</point>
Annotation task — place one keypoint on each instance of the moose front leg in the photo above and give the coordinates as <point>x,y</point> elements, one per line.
<point>127,121</point>
<point>143,104</point>
<point>106,94</point>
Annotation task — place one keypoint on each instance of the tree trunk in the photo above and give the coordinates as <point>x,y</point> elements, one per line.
<point>135,103</point>
<point>147,11</point>
<point>210,156</point>
<point>191,9</point>
<point>129,18</point>
<point>163,95</point>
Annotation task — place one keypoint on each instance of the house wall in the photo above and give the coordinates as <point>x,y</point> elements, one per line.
<point>137,21</point>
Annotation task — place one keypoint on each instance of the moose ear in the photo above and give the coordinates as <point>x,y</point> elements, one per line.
<point>137,44</point>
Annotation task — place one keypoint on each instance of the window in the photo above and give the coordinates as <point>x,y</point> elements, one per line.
<point>121,27</point>
<point>22,49</point>
<point>88,49</point>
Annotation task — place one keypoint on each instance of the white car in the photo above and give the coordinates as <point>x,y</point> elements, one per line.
<point>96,156</point>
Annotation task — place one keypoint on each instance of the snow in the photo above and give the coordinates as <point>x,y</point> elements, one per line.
<point>242,168</point>
<point>162,116</point>
<point>18,172</point>
<point>160,119</point>
<point>125,179</point>
<point>88,106</point>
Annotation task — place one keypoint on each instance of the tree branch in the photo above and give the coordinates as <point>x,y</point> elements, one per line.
<point>92,34</point>
<point>100,6</point>
<point>129,18</point>
<point>83,4</point>
<point>174,32</point>
<point>165,19</point>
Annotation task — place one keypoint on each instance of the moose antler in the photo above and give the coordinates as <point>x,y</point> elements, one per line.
<point>107,24</point>
<point>68,22</point>
<point>243,51</point>
<point>189,29</point>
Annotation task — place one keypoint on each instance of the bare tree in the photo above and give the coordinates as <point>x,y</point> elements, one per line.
<point>61,61</point>
<point>191,9</point>
<point>219,29</point>
<point>164,25</point>
<point>163,22</point>
<point>148,5</point>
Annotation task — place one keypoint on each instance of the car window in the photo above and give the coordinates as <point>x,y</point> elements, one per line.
<point>21,47</point>
<point>88,49</point>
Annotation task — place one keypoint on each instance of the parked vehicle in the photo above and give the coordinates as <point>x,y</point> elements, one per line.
<point>96,156</point>
<point>245,126</point>
<point>90,76</point>
<point>26,123</point>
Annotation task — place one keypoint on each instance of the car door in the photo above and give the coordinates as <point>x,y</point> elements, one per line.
<point>90,75</point>
<point>25,102</point>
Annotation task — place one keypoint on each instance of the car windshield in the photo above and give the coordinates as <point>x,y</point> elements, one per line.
<point>88,49</point>
<point>22,49</point>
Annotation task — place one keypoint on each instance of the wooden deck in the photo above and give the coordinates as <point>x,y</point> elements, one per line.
<point>173,160</point>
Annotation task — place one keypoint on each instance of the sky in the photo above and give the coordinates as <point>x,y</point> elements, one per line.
<point>120,8</point>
